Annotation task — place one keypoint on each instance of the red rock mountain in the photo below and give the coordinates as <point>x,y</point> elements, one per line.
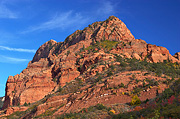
<point>56,63</point>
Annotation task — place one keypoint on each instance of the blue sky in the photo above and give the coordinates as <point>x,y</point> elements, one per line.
<point>27,24</point>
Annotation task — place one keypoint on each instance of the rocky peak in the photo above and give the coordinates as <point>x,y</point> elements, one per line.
<point>112,29</point>
<point>44,50</point>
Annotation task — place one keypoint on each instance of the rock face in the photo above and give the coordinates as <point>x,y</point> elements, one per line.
<point>55,63</point>
<point>177,55</point>
<point>31,84</point>
<point>1,101</point>
<point>11,110</point>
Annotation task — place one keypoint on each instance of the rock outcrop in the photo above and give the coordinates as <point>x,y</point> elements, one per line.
<point>177,55</point>
<point>55,64</point>
<point>32,84</point>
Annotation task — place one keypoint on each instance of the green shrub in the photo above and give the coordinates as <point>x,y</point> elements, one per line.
<point>145,74</point>
<point>59,89</point>
<point>135,100</point>
<point>98,79</point>
<point>100,106</point>
<point>137,80</point>
<point>109,73</point>
<point>54,79</point>
<point>167,93</point>
<point>121,85</point>
<point>137,90</point>
<point>77,61</point>
<point>25,104</point>
<point>123,64</point>
<point>68,52</point>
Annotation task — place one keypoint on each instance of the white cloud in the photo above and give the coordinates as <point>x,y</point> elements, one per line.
<point>17,49</point>
<point>62,21</point>
<point>5,59</point>
<point>5,12</point>
<point>106,8</point>
<point>75,20</point>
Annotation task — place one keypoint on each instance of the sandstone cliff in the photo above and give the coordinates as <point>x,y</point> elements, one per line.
<point>56,63</point>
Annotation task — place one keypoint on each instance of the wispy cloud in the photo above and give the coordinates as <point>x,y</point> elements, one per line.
<point>107,8</point>
<point>17,49</point>
<point>5,59</point>
<point>74,20</point>
<point>62,21</point>
<point>5,12</point>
